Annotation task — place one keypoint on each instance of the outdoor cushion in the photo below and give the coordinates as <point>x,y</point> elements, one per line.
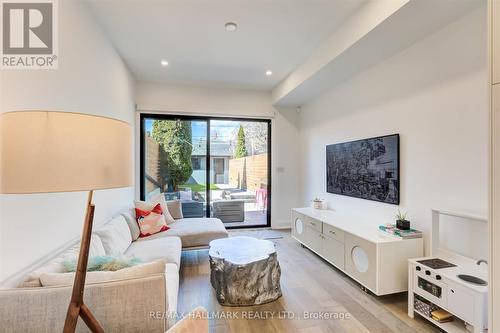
<point>186,195</point>
<point>167,249</point>
<point>194,231</point>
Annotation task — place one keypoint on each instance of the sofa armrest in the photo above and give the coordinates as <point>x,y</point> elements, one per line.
<point>119,306</point>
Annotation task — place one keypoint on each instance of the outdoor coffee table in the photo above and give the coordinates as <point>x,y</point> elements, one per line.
<point>244,271</point>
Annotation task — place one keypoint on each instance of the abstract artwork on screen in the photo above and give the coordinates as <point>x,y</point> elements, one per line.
<point>366,169</point>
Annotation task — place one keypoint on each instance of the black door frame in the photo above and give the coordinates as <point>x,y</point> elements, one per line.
<point>207,119</point>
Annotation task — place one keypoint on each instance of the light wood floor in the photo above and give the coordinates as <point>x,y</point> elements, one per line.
<point>310,286</point>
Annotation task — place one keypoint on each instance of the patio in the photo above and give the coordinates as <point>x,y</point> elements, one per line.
<point>255,212</point>
<point>252,219</point>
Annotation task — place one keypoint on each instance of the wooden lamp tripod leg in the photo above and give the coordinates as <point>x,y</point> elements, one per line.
<point>77,307</point>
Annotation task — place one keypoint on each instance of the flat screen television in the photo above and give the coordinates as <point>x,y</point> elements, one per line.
<point>366,169</point>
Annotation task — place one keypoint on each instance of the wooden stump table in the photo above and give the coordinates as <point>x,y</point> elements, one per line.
<point>244,271</point>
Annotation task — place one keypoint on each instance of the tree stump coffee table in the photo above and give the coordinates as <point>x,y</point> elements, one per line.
<point>244,271</point>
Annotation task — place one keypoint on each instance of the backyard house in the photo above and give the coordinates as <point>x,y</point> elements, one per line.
<point>219,162</point>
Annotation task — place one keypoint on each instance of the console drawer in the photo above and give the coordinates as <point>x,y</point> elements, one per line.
<point>333,232</point>
<point>313,239</point>
<point>313,224</point>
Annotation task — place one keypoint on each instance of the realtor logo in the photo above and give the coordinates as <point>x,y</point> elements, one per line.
<point>29,34</point>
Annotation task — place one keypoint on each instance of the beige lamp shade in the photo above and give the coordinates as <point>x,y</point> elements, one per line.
<point>47,151</point>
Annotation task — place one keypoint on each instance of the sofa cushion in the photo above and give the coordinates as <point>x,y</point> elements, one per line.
<point>115,236</point>
<point>65,279</point>
<point>194,231</point>
<point>167,249</point>
<point>56,265</point>
<point>129,215</point>
<point>198,231</point>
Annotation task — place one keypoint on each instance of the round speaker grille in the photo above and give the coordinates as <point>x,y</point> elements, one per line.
<point>299,226</point>
<point>360,259</point>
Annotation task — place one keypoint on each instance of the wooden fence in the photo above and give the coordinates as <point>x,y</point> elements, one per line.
<point>248,173</point>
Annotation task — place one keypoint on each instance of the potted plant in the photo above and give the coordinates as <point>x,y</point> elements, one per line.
<point>401,221</point>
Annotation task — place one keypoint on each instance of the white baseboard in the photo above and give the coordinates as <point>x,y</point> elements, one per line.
<point>279,224</point>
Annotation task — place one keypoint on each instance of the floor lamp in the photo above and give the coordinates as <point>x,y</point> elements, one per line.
<point>50,151</point>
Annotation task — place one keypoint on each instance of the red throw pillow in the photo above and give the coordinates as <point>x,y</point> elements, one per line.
<point>151,221</point>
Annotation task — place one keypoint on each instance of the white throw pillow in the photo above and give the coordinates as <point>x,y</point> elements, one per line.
<point>115,236</point>
<point>129,215</point>
<point>66,279</point>
<point>96,246</point>
<point>175,208</point>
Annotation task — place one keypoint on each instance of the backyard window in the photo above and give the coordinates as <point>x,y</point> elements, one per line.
<point>196,161</point>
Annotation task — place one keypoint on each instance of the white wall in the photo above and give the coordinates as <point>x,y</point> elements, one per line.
<point>243,103</point>
<point>91,79</point>
<point>434,94</point>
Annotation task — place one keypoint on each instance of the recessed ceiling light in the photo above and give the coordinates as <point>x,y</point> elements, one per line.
<point>164,63</point>
<point>231,26</point>
<point>269,73</point>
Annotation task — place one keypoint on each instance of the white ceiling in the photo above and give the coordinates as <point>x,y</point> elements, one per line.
<point>272,34</point>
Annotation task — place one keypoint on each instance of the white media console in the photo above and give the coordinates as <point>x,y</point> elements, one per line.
<point>357,247</point>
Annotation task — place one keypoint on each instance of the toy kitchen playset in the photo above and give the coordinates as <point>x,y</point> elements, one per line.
<point>448,289</point>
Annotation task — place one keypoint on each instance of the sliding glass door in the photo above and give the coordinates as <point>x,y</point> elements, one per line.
<point>239,172</point>
<point>216,167</point>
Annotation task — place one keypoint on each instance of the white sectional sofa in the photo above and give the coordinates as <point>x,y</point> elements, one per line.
<point>37,302</point>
